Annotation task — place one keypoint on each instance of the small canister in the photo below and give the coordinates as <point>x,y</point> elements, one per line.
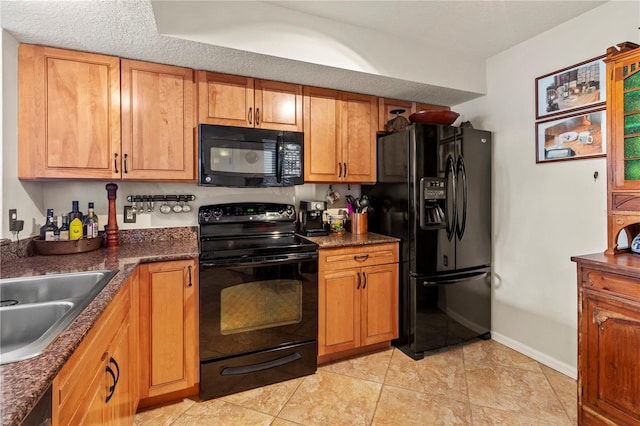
<point>336,223</point>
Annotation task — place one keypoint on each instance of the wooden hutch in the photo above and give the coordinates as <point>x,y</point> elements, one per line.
<point>609,282</point>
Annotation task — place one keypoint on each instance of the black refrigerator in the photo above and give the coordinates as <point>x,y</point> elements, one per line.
<point>434,193</point>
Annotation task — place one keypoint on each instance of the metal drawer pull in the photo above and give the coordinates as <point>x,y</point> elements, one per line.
<point>365,280</point>
<point>250,115</point>
<point>115,162</point>
<point>361,258</point>
<point>189,270</point>
<point>125,164</point>
<point>359,280</point>
<point>257,116</point>
<point>112,388</point>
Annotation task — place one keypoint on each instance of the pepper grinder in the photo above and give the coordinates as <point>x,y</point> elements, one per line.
<point>113,239</point>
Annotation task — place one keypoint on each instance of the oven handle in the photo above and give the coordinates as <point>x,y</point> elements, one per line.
<point>245,369</point>
<point>288,258</point>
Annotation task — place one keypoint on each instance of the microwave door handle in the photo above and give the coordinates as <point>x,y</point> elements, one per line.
<point>279,159</point>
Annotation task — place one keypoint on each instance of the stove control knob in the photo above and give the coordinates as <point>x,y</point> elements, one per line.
<point>289,211</point>
<point>206,215</point>
<point>217,213</point>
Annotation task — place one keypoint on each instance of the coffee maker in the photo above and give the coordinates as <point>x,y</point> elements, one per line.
<point>310,220</point>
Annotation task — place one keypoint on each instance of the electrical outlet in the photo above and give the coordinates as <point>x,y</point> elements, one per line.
<point>13,218</point>
<point>129,214</point>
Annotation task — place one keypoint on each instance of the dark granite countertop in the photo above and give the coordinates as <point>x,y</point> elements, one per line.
<point>23,383</point>
<point>347,239</point>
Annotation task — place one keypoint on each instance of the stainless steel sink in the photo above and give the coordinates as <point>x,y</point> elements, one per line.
<point>35,310</point>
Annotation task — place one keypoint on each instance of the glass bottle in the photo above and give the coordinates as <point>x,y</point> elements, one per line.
<point>75,222</point>
<point>64,228</point>
<point>48,229</point>
<point>90,225</point>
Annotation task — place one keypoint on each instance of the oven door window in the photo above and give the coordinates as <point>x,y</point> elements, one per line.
<point>247,159</point>
<point>260,304</point>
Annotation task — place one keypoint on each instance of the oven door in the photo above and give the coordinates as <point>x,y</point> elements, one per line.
<point>257,304</point>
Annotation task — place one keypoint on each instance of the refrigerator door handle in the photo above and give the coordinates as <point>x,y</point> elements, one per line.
<point>451,174</point>
<point>474,276</point>
<point>461,225</point>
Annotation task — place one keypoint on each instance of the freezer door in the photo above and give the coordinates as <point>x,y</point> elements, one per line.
<point>448,309</point>
<point>473,171</point>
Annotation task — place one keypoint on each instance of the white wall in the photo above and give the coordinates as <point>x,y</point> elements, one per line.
<point>543,213</point>
<point>27,197</point>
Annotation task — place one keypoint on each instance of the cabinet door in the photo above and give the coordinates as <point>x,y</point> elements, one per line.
<point>278,106</point>
<point>610,344</point>
<point>359,118</point>
<point>225,99</point>
<point>624,125</point>
<point>158,122</point>
<point>338,311</point>
<point>69,114</point>
<point>322,135</point>
<point>168,327</point>
<point>379,304</point>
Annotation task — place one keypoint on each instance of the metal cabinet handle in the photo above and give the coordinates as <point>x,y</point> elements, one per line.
<point>250,116</point>
<point>257,116</point>
<point>114,376</point>
<point>125,163</point>
<point>340,172</point>
<point>359,281</point>
<point>345,170</point>
<point>189,271</point>
<point>115,162</point>
<point>364,274</point>
<point>361,258</point>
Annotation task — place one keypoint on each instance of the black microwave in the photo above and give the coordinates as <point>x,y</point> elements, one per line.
<point>246,157</point>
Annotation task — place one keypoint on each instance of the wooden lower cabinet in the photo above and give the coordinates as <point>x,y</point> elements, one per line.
<point>168,329</point>
<point>609,340</point>
<point>94,386</point>
<point>358,299</point>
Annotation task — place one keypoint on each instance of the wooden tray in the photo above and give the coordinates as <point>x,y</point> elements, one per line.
<point>47,248</point>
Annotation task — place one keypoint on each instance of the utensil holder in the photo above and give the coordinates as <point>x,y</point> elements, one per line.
<point>359,223</point>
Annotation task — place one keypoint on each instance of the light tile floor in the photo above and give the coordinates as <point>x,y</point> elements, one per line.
<point>480,383</point>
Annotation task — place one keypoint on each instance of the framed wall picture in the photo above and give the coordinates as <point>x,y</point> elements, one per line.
<point>571,89</point>
<point>581,135</point>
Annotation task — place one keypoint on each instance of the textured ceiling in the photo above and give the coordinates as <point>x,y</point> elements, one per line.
<point>471,29</point>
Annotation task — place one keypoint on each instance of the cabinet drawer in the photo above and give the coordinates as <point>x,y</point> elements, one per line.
<point>356,257</point>
<point>619,285</point>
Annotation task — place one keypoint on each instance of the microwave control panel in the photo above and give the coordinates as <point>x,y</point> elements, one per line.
<point>292,161</point>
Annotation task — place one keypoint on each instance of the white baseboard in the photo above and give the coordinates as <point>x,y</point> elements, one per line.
<point>545,359</point>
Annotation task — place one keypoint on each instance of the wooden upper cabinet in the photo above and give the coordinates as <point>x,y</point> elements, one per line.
<point>158,122</point>
<point>359,115</point>
<point>69,114</point>
<point>231,100</point>
<point>339,136</point>
<point>623,142</point>
<point>385,106</point>
<point>278,105</point>
<point>322,134</point>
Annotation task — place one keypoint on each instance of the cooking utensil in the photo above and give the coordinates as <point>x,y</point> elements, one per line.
<point>444,116</point>
<point>364,203</point>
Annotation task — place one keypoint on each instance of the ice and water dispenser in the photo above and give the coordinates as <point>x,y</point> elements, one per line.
<point>433,203</point>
